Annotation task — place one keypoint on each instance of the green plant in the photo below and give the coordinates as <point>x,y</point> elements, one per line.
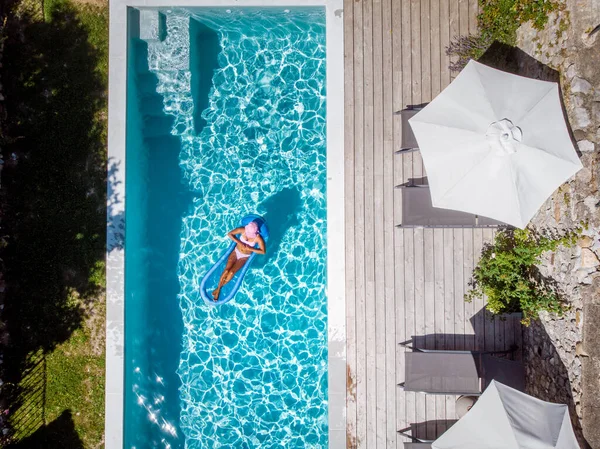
<point>507,275</point>
<point>499,21</point>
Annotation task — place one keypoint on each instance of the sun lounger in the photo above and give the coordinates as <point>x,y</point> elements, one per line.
<point>417,211</point>
<point>408,141</point>
<point>415,443</point>
<point>459,372</point>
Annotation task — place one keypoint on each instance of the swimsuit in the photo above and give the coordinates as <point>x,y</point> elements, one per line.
<point>241,255</point>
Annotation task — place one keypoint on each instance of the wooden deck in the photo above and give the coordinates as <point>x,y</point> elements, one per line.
<point>401,282</point>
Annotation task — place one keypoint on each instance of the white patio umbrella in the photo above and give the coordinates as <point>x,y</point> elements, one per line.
<point>504,418</point>
<point>495,144</point>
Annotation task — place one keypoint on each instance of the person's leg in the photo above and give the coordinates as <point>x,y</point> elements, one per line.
<point>239,263</point>
<point>236,267</point>
<point>230,263</point>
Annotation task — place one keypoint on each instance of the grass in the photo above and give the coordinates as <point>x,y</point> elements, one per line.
<point>76,383</point>
<point>498,21</point>
<point>55,220</point>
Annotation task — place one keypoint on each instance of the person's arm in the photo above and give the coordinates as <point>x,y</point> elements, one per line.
<point>233,235</point>
<point>261,247</point>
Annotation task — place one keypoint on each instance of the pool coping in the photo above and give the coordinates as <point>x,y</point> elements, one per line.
<point>115,256</point>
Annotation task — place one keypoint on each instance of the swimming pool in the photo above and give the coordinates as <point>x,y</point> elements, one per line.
<point>226,115</point>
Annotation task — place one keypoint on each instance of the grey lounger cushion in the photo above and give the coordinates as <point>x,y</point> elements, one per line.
<point>417,210</point>
<point>459,372</point>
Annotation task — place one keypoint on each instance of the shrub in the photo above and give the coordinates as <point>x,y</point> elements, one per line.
<point>507,274</point>
<point>499,21</point>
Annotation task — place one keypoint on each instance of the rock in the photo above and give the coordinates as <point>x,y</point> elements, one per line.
<point>589,258</point>
<point>585,146</point>
<point>571,71</point>
<point>586,241</point>
<point>576,101</point>
<point>579,85</point>
<point>581,118</point>
<point>583,277</point>
<point>579,134</point>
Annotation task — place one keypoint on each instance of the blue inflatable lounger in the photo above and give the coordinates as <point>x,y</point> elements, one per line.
<point>211,278</point>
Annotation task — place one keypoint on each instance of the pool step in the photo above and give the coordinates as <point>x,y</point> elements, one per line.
<point>153,25</point>
<point>167,38</point>
<point>165,89</point>
<point>162,144</point>
<point>156,126</point>
<point>146,83</point>
<point>152,105</point>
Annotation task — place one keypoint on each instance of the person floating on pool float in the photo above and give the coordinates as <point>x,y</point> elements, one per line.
<point>246,245</point>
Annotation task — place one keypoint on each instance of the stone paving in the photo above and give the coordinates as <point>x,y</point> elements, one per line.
<point>563,354</point>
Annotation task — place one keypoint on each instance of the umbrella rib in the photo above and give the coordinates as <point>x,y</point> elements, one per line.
<point>542,150</point>
<point>487,98</point>
<point>533,106</point>
<point>466,174</point>
<point>515,192</point>
<point>445,126</point>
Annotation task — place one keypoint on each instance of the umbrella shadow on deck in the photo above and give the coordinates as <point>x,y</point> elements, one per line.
<point>427,430</point>
<point>546,376</point>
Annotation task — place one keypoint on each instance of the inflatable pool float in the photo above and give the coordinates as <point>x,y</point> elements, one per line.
<point>211,278</point>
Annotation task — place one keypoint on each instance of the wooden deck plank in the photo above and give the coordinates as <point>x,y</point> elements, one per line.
<point>369,238</point>
<point>429,288</point>
<point>467,272</point>
<point>408,89</point>
<point>378,199</point>
<point>359,207</point>
<point>349,223</point>
<point>518,336</point>
<point>387,76</point>
<point>409,307</point>
<point>473,12</point>
<point>489,324</point>
<point>434,23</point>
<point>415,47</point>
<point>397,96</point>
<point>419,312</point>
<point>454,27</point>
<point>429,331</point>
<point>459,302</point>
<point>444,42</point>
<point>439,291</point>
<point>388,225</point>
<point>499,333</point>
<point>439,320</point>
<point>406,54</point>
<point>449,342</point>
<point>478,303</point>
<point>463,17</point>
<point>426,50</point>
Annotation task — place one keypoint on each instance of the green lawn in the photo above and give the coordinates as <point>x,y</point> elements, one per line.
<point>56,90</point>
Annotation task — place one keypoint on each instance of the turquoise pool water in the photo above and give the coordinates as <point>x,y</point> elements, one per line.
<point>226,116</point>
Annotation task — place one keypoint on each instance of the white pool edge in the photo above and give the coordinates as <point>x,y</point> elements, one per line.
<point>115,266</point>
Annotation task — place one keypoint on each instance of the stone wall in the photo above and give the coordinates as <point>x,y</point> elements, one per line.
<point>562,354</point>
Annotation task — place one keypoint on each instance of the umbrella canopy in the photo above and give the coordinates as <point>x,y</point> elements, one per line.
<point>504,418</point>
<point>495,144</point>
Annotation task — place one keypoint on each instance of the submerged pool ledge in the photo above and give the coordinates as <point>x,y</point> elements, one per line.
<point>116,208</point>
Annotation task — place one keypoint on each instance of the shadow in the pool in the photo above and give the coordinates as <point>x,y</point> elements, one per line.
<point>281,213</point>
<point>154,321</point>
<point>204,50</point>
